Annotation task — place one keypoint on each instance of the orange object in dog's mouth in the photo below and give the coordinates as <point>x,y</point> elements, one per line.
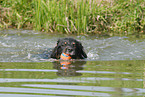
<point>65,56</point>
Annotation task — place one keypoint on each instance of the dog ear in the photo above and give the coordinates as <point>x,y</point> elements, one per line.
<point>84,55</point>
<point>58,42</point>
<point>82,52</point>
<point>54,53</point>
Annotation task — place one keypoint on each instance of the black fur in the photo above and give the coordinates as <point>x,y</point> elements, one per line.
<point>69,46</point>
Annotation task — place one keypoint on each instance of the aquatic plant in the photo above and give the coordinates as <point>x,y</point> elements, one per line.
<point>110,17</point>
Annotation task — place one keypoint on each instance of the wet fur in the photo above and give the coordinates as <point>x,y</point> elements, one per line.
<point>79,50</point>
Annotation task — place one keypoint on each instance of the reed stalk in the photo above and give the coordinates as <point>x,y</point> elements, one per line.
<point>121,17</point>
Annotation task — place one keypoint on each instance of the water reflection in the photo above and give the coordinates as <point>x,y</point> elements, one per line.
<point>27,95</point>
<point>68,68</point>
<point>72,78</point>
<point>52,91</point>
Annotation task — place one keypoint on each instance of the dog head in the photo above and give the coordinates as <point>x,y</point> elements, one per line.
<point>69,46</point>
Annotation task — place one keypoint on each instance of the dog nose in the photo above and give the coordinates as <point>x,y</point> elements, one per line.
<point>69,49</point>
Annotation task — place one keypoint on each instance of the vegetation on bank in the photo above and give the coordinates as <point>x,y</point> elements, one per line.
<point>109,17</point>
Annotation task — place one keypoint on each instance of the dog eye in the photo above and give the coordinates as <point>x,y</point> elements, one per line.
<point>64,44</point>
<point>74,44</point>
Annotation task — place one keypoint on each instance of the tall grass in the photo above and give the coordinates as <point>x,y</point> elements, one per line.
<point>118,17</point>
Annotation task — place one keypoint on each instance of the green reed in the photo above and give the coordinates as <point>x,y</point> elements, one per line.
<point>121,17</point>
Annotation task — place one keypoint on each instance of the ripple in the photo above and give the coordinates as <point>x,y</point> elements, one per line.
<point>51,91</point>
<point>26,45</point>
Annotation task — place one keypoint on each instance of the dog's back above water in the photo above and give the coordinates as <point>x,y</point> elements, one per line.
<point>68,48</point>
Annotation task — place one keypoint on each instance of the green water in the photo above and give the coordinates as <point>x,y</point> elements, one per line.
<point>115,67</point>
<point>74,79</point>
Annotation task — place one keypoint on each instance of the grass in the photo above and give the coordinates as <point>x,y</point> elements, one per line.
<point>103,17</point>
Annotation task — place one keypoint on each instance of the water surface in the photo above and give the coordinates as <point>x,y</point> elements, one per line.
<point>31,46</point>
<point>115,67</point>
<point>79,79</point>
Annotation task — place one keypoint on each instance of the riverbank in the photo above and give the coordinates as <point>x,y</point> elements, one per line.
<point>71,16</point>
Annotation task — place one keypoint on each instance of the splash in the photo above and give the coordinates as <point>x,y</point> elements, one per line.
<point>31,46</point>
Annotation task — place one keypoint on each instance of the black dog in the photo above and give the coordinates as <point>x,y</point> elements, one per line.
<point>69,46</point>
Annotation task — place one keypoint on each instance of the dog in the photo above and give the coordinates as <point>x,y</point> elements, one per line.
<point>69,46</point>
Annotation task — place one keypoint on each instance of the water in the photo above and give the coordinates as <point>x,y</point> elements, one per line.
<point>114,67</point>
<point>29,46</point>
